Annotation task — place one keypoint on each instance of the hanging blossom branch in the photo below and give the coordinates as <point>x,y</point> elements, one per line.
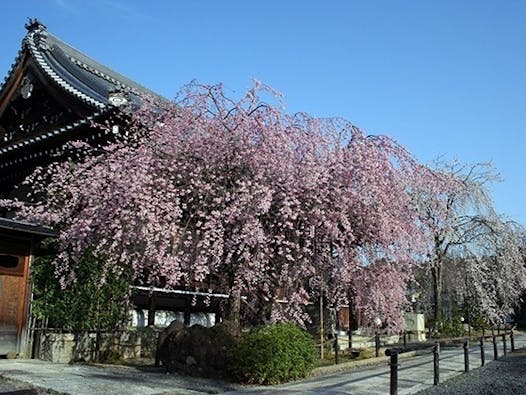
<point>208,186</point>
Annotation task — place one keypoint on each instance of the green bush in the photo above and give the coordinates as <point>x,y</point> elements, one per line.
<point>451,328</point>
<point>478,320</point>
<point>84,304</point>
<point>273,354</point>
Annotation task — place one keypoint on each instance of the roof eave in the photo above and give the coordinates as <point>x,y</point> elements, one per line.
<point>26,227</point>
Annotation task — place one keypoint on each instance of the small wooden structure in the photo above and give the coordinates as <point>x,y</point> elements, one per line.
<point>17,241</point>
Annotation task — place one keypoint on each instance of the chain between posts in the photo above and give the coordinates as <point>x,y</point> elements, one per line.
<point>394,355</point>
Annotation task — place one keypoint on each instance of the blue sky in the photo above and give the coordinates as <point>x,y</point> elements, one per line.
<point>444,78</point>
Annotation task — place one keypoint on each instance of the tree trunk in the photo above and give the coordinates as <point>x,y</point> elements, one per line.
<point>264,311</point>
<point>436,274</point>
<point>234,309</point>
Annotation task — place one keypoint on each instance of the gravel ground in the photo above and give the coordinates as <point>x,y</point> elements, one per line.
<point>505,376</point>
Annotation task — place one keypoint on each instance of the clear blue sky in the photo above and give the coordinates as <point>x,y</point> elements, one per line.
<point>444,78</point>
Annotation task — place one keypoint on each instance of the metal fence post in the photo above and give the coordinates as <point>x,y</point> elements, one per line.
<point>466,355</point>
<point>393,384</point>
<point>504,343</point>
<point>336,350</point>
<point>512,341</point>
<point>482,356</point>
<point>436,353</point>
<point>495,354</point>
<point>377,343</point>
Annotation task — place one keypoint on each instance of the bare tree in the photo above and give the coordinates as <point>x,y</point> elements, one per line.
<point>481,251</point>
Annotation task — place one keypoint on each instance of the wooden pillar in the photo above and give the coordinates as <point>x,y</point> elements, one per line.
<point>351,318</point>
<point>187,316</point>
<point>321,324</point>
<point>151,309</point>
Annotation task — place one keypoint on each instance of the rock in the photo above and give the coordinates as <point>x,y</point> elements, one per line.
<point>174,327</point>
<point>196,349</point>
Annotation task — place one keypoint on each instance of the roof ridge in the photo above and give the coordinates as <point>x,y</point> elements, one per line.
<point>91,65</point>
<point>101,74</point>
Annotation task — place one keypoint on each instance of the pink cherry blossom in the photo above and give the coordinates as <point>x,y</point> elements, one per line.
<point>262,202</point>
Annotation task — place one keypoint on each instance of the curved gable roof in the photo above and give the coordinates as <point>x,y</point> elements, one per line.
<point>52,94</point>
<point>86,85</point>
<point>72,71</point>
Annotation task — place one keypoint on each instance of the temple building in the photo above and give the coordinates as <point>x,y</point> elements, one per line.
<point>54,94</point>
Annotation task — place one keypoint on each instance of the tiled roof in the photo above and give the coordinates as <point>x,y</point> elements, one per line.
<point>73,71</point>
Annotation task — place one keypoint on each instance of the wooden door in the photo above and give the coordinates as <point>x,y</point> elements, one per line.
<point>13,290</point>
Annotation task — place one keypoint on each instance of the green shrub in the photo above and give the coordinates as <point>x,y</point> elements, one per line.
<point>85,304</point>
<point>451,328</point>
<point>273,354</point>
<point>478,320</point>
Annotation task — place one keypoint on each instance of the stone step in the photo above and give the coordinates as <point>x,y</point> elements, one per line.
<point>7,342</point>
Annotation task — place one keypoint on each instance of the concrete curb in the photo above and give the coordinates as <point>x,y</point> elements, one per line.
<point>342,367</point>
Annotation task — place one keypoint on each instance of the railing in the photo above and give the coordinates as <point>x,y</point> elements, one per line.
<point>393,353</point>
<point>378,340</point>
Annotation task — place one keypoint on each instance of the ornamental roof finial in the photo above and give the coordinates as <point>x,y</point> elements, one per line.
<point>34,24</point>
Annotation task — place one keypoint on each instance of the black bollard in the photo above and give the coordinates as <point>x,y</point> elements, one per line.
<point>394,373</point>
<point>504,343</point>
<point>336,350</point>
<point>495,354</point>
<point>377,343</point>
<point>466,355</point>
<point>512,341</point>
<point>405,339</point>
<point>436,367</point>
<point>482,356</point>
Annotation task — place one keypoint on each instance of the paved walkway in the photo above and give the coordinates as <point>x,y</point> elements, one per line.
<point>414,375</point>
